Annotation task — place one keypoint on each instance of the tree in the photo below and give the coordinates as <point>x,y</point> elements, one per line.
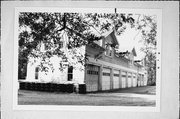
<point>47,28</point>
<point>36,28</point>
<point>148,27</point>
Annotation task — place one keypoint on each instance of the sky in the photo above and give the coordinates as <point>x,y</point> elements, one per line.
<point>130,39</point>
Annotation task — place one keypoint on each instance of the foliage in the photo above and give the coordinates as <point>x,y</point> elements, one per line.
<point>41,28</point>
<point>148,28</point>
<point>37,28</point>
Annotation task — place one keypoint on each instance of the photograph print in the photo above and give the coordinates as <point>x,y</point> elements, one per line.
<point>87,58</point>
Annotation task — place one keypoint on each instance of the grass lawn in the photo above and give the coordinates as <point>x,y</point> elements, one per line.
<point>116,98</point>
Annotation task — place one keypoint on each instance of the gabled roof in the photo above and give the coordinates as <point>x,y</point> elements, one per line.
<point>138,64</point>
<point>112,34</point>
<point>134,52</point>
<point>127,45</point>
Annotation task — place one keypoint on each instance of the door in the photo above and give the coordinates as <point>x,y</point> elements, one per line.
<point>139,80</point>
<point>116,79</point>
<point>142,80</point>
<point>129,80</point>
<point>106,79</point>
<point>123,78</point>
<point>134,80</point>
<point>92,77</point>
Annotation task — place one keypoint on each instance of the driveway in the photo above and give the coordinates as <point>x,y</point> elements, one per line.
<point>125,97</point>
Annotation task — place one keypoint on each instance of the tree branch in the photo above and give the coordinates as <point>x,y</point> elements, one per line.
<point>64,23</point>
<point>77,33</point>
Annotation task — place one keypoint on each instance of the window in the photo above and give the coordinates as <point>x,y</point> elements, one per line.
<point>131,58</point>
<point>116,75</point>
<point>70,73</point>
<point>131,62</point>
<point>106,74</point>
<point>36,72</point>
<point>91,72</point>
<point>109,50</point>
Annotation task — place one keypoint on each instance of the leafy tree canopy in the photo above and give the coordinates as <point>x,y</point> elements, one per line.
<point>148,28</point>
<point>47,28</point>
<point>36,28</point>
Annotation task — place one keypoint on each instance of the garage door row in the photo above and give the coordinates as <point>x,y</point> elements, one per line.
<point>110,80</point>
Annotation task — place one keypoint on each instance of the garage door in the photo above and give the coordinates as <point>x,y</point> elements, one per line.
<point>116,79</point>
<point>145,79</point>
<point>129,80</point>
<point>134,80</point>
<point>106,79</point>
<point>123,78</point>
<point>142,80</point>
<point>92,77</point>
<point>139,80</point>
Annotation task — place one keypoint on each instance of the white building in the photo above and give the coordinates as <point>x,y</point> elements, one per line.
<point>106,69</point>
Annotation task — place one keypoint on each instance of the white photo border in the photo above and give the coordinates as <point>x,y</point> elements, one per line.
<point>157,12</point>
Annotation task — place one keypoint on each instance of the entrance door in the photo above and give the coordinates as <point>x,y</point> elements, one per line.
<point>92,77</point>
<point>106,79</point>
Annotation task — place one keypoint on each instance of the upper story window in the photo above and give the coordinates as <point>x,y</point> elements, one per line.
<point>131,62</point>
<point>109,50</point>
<point>131,57</point>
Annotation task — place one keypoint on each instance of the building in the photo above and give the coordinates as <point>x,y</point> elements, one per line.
<point>105,69</point>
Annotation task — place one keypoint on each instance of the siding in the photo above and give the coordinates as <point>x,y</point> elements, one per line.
<point>115,60</point>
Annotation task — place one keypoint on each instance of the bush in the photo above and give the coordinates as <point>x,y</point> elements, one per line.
<point>82,88</point>
<point>63,88</point>
<point>69,88</point>
<point>52,87</point>
<point>22,85</point>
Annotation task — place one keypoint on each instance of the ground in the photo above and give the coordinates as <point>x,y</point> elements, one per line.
<point>139,96</point>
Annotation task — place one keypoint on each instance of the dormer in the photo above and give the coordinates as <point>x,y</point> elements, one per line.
<point>131,56</point>
<point>109,42</point>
